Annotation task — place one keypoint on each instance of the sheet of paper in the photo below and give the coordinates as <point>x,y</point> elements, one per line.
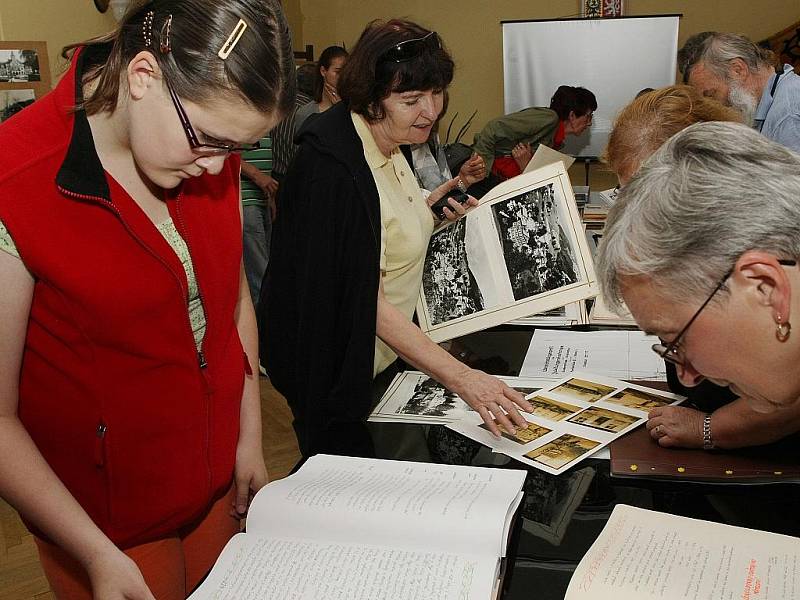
<point>544,156</point>
<point>571,420</point>
<point>644,555</point>
<point>410,505</point>
<point>617,354</point>
<point>268,568</point>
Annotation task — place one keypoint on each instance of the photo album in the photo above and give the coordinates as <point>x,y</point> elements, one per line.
<point>571,420</point>
<point>520,252</point>
<point>370,529</point>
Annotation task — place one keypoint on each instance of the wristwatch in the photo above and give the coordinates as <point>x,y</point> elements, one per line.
<point>708,441</point>
<point>461,185</point>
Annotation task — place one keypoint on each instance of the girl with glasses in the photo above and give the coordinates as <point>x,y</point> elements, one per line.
<point>130,433</point>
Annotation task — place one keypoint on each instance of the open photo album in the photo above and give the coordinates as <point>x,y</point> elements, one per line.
<point>522,251</point>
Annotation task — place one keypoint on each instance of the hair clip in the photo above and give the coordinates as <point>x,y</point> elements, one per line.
<point>166,30</point>
<point>232,40</point>
<point>147,28</point>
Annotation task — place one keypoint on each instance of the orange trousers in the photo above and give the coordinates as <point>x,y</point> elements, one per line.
<point>172,566</point>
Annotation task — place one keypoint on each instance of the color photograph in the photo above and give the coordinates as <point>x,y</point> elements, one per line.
<point>562,451</point>
<point>603,419</point>
<point>638,399</point>
<point>581,389</point>
<point>551,409</point>
<point>523,436</point>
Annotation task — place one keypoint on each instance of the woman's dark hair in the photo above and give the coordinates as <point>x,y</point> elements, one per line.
<point>325,59</point>
<point>260,69</point>
<point>370,76</point>
<point>569,99</point>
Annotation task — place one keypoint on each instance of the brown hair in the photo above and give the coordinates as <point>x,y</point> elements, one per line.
<point>260,69</point>
<point>328,55</point>
<point>367,79</point>
<point>652,118</point>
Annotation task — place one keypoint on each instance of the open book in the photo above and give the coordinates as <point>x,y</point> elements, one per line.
<point>520,252</point>
<point>368,529</point>
<point>643,555</point>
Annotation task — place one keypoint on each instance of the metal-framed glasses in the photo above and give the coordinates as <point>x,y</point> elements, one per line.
<point>411,49</point>
<point>207,148</point>
<point>672,351</point>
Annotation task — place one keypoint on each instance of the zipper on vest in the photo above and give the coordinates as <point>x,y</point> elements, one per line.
<point>99,450</point>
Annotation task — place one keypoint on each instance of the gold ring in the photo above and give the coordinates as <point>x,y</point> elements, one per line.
<point>657,429</point>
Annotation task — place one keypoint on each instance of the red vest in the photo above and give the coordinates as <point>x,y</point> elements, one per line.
<point>139,425</point>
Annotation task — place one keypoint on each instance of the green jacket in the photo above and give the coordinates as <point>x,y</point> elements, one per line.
<point>533,125</point>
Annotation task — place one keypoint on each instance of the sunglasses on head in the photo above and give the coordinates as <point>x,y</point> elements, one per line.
<point>411,49</point>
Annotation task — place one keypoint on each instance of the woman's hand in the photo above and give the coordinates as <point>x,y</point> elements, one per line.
<point>333,95</point>
<point>456,210</point>
<point>249,476</point>
<point>114,576</point>
<point>494,401</point>
<point>676,426</point>
<point>522,155</point>
<point>473,170</point>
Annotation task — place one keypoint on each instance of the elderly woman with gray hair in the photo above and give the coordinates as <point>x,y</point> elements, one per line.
<point>702,246</point>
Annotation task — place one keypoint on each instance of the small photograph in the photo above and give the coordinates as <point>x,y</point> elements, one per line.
<point>19,66</point>
<point>449,286</point>
<point>525,390</point>
<point>562,451</point>
<point>638,399</point>
<point>603,419</point>
<point>523,436</point>
<point>551,409</point>
<point>432,399</point>
<point>537,252</point>
<point>13,101</point>
<point>580,389</point>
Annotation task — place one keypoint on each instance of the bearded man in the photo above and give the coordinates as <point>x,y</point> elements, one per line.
<point>738,73</point>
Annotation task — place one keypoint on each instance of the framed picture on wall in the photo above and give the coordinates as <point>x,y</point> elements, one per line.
<point>24,74</point>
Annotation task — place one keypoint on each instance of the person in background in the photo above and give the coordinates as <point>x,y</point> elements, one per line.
<point>326,78</point>
<point>430,162</point>
<point>739,73</point>
<point>507,143</point>
<point>349,249</point>
<point>130,421</point>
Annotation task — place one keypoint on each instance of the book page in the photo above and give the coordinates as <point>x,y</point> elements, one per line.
<point>397,503</point>
<point>268,568</point>
<point>643,554</point>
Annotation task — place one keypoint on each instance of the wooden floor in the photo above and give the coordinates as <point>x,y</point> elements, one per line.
<point>21,577</point>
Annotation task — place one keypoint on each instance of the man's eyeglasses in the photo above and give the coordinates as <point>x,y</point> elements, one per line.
<point>411,49</point>
<point>672,351</point>
<point>199,147</point>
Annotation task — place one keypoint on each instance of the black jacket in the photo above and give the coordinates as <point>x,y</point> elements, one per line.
<point>319,300</point>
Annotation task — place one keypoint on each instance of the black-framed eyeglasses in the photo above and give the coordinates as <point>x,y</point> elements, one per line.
<point>199,147</point>
<point>411,49</point>
<point>670,352</point>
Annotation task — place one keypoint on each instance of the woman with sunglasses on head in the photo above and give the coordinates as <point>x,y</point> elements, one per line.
<point>130,431</point>
<point>702,246</point>
<point>350,245</point>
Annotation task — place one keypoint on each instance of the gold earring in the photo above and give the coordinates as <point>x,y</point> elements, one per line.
<point>783,330</point>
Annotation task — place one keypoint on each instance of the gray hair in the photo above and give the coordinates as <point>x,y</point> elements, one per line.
<point>716,50</point>
<point>711,193</point>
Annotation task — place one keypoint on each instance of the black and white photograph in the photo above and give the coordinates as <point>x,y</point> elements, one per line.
<point>19,65</point>
<point>13,101</point>
<point>562,450</point>
<point>603,419</point>
<point>449,286</point>
<point>432,399</point>
<point>537,252</point>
